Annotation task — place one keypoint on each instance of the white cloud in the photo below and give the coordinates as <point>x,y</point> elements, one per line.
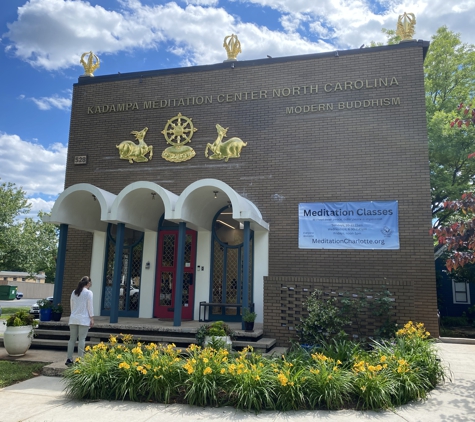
<point>36,169</point>
<point>320,30</point>
<point>39,204</point>
<point>52,34</point>
<point>355,21</point>
<point>55,101</point>
<point>202,2</point>
<point>292,23</point>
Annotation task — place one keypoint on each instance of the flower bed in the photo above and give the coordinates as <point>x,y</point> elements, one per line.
<point>390,374</point>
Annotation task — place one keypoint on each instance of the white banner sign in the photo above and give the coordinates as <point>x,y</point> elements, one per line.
<point>349,225</point>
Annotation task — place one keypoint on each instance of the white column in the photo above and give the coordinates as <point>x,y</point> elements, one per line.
<point>147,280</point>
<point>261,269</point>
<point>203,260</point>
<point>97,268</point>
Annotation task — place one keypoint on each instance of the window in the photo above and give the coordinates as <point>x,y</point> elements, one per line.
<point>461,292</point>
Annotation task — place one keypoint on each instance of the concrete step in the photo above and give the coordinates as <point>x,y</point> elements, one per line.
<point>59,339</point>
<point>263,343</point>
<point>104,336</point>
<point>147,338</point>
<point>56,336</point>
<point>276,352</point>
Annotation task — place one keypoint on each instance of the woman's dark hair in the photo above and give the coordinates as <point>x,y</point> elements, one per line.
<point>83,283</point>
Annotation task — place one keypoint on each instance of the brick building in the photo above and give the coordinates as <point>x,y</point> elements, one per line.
<point>339,127</point>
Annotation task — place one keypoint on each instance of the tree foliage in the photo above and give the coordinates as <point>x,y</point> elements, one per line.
<point>449,69</point>
<point>449,77</point>
<point>26,244</point>
<point>460,235</point>
<point>392,38</point>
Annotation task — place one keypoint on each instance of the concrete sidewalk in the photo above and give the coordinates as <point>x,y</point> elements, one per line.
<point>42,399</point>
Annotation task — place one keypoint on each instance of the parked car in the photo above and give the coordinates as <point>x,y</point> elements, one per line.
<point>19,295</point>
<point>35,308</point>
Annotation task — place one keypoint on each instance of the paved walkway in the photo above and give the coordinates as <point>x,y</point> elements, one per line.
<point>42,399</point>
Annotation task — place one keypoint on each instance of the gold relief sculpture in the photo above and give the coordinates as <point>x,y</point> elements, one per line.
<point>90,66</point>
<point>229,149</point>
<point>406,26</point>
<point>178,132</point>
<point>129,150</point>
<point>232,46</point>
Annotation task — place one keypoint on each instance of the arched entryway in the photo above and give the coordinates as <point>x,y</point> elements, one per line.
<point>227,266</point>
<point>167,270</point>
<point>129,241</point>
<point>131,272</point>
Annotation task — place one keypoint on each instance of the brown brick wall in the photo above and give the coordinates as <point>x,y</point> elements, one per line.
<point>289,293</point>
<point>77,265</point>
<point>374,153</point>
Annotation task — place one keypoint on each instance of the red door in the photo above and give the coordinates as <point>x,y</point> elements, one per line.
<point>166,274</point>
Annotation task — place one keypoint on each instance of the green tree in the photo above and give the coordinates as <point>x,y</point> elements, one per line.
<point>449,70</point>
<point>13,203</point>
<point>25,244</point>
<point>391,36</point>
<point>449,77</point>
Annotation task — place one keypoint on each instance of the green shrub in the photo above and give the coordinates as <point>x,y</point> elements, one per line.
<point>122,369</point>
<point>339,374</point>
<point>342,350</point>
<point>205,382</point>
<point>248,316</point>
<point>249,379</point>
<point>44,304</point>
<point>21,318</point>
<point>215,329</point>
<point>327,384</point>
<point>325,320</point>
<point>336,317</point>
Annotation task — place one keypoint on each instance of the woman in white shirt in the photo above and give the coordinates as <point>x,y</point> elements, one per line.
<point>82,317</point>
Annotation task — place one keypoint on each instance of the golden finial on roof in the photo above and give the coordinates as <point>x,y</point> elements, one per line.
<point>90,66</point>
<point>406,26</point>
<point>232,46</point>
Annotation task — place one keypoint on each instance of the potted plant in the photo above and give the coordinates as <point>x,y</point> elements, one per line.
<point>45,309</point>
<point>248,317</point>
<point>56,312</point>
<point>19,332</point>
<point>217,335</point>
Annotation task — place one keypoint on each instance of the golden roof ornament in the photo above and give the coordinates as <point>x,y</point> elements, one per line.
<point>406,26</point>
<point>90,65</point>
<point>232,46</point>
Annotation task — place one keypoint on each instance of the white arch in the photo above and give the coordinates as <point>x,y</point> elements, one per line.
<point>82,206</point>
<point>202,199</point>
<point>141,204</point>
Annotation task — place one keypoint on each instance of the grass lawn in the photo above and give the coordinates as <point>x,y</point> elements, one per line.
<point>13,372</point>
<point>7,311</point>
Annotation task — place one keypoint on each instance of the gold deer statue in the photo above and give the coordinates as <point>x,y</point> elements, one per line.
<point>129,150</point>
<point>229,149</point>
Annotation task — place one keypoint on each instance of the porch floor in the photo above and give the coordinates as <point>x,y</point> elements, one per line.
<point>55,334</point>
<point>154,325</point>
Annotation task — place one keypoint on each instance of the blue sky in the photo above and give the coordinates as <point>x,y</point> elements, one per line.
<point>41,42</point>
